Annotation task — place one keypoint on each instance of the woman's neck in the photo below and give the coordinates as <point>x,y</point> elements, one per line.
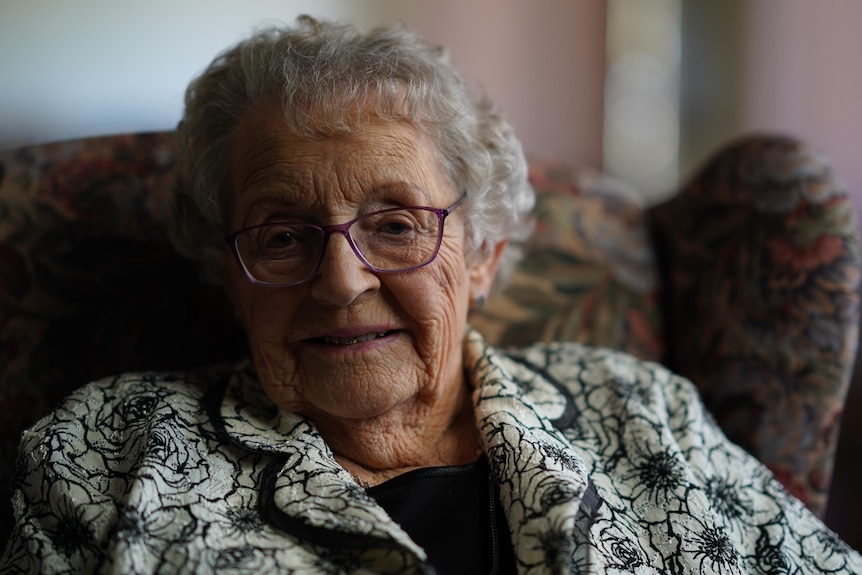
<point>410,437</point>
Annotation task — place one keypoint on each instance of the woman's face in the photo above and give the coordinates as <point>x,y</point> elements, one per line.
<point>350,343</point>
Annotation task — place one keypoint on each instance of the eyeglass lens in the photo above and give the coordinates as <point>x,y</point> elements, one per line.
<point>388,240</point>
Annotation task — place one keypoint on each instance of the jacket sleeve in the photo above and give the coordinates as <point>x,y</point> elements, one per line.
<point>61,513</point>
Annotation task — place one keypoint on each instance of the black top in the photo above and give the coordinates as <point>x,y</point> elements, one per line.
<point>454,514</point>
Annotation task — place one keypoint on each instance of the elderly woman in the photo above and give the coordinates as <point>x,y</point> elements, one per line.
<point>355,203</point>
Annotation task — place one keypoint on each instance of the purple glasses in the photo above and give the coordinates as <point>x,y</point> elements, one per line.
<point>283,254</point>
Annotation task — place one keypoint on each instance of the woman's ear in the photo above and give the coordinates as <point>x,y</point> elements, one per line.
<point>483,271</point>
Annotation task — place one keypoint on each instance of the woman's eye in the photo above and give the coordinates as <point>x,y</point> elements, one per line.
<point>280,239</point>
<point>395,224</point>
<point>395,228</point>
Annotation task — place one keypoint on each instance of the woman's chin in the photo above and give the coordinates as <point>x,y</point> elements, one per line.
<point>367,395</point>
<point>350,410</point>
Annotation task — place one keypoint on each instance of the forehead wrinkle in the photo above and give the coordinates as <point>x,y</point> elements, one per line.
<point>261,189</point>
<point>371,170</point>
<point>384,166</point>
<point>268,174</point>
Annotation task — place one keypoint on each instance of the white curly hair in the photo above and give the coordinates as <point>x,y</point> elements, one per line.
<point>319,70</point>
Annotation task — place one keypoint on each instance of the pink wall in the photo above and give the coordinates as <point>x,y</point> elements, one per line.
<point>543,63</point>
<point>804,76</point>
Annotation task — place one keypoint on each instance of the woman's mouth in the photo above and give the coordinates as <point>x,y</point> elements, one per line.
<point>351,340</point>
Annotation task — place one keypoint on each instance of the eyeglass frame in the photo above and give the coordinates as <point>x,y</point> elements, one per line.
<point>344,230</point>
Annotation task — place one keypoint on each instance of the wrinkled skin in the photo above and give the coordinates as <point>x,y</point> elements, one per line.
<point>391,403</point>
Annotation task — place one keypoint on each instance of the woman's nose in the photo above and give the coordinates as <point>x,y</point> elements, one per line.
<point>342,278</point>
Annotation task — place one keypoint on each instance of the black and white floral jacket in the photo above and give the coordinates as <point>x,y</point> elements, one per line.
<point>604,464</point>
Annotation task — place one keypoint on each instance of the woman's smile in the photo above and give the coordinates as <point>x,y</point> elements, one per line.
<point>352,339</point>
<point>359,340</point>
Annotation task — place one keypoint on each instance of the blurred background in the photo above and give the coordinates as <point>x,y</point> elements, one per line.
<point>644,89</point>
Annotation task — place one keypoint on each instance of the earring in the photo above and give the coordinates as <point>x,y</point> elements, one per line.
<point>479,301</point>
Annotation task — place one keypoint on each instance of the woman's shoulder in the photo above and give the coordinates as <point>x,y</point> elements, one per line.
<point>603,381</point>
<point>129,400</point>
<point>584,366</point>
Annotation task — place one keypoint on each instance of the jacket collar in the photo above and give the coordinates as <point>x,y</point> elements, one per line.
<point>543,483</point>
<point>303,489</point>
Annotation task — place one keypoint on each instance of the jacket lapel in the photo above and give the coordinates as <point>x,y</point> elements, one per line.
<point>302,489</point>
<point>544,486</point>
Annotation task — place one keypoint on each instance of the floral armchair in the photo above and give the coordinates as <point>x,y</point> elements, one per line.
<point>745,282</point>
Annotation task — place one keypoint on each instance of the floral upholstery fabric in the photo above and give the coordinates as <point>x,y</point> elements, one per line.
<point>589,273</point>
<point>761,255</point>
<point>88,283</point>
<point>90,287</point>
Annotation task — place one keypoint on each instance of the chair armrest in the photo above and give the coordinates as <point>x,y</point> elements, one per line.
<point>760,259</point>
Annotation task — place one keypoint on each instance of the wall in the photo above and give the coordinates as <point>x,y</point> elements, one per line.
<point>806,77</point>
<point>789,66</point>
<point>542,62</point>
<point>86,67</point>
<point>72,69</point>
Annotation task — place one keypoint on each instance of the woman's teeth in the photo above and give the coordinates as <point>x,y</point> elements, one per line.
<point>351,340</point>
